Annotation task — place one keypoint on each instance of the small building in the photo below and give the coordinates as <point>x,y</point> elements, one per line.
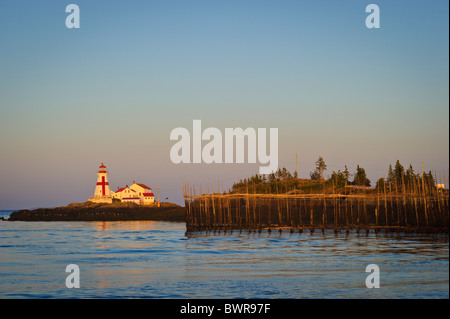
<point>144,192</point>
<point>148,199</point>
<point>124,192</point>
<point>136,193</point>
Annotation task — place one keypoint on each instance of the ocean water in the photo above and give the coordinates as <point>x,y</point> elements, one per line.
<point>149,259</point>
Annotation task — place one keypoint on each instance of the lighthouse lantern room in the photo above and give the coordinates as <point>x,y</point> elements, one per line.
<point>102,192</point>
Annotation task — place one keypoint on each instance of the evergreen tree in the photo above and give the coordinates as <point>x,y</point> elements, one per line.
<point>279,174</point>
<point>314,176</point>
<point>410,177</point>
<point>380,184</point>
<point>338,178</point>
<point>284,173</point>
<point>346,174</point>
<point>399,174</point>
<point>272,177</point>
<point>360,177</point>
<point>289,175</point>
<point>321,167</point>
<point>429,180</point>
<point>390,177</point>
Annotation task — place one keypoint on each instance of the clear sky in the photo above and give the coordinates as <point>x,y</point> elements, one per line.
<point>113,90</point>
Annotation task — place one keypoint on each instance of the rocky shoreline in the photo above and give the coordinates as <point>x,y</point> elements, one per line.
<point>103,212</point>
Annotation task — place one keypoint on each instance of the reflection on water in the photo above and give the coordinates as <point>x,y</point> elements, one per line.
<point>157,259</point>
<point>127,225</point>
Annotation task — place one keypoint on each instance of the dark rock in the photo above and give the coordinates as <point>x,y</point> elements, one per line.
<point>103,212</point>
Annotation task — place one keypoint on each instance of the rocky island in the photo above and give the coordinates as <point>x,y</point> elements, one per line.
<point>116,211</point>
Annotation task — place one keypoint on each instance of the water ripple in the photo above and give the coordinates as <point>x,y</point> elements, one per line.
<point>157,260</point>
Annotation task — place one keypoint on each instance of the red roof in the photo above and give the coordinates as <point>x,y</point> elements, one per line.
<point>149,194</point>
<point>122,189</point>
<point>102,166</point>
<point>143,186</point>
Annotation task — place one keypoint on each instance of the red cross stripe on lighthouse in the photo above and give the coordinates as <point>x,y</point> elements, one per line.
<point>103,183</point>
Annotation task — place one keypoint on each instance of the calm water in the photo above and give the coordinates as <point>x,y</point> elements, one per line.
<point>157,260</point>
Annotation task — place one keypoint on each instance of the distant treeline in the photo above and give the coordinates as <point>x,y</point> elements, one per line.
<point>397,180</point>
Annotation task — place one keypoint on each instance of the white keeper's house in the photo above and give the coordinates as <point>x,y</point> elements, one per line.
<point>137,193</point>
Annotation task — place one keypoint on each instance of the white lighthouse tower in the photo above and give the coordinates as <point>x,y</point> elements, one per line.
<point>102,192</point>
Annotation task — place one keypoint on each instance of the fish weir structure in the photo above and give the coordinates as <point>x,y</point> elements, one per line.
<point>290,212</point>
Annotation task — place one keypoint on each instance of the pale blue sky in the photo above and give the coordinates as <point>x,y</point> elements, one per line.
<point>113,90</point>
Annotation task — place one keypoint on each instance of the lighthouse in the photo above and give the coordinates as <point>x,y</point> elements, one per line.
<point>102,192</point>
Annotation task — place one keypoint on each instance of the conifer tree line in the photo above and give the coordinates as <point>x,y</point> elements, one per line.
<point>406,181</point>
<point>398,179</point>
